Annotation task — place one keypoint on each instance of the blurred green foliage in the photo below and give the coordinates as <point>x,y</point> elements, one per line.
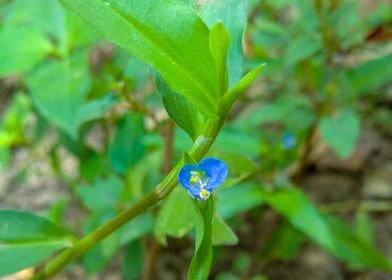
<point>325,74</point>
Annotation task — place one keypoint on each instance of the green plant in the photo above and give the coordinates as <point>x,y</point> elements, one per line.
<point>127,182</point>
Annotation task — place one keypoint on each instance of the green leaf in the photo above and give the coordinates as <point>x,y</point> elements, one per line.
<point>127,147</point>
<point>59,88</point>
<point>228,99</point>
<point>326,231</point>
<point>199,268</point>
<point>301,48</point>
<point>363,226</point>
<point>176,46</point>
<point>233,15</point>
<point>96,109</point>
<point>238,199</point>
<point>352,248</point>
<point>21,49</point>
<point>101,255</point>
<point>26,239</point>
<point>302,214</point>
<point>101,195</point>
<point>175,216</point>
<point>285,243</point>
<point>44,16</point>
<point>369,75</point>
<point>133,261</point>
<point>219,44</point>
<point>183,113</point>
<point>222,234</point>
<point>341,132</point>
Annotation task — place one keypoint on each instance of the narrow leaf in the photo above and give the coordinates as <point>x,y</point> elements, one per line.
<point>233,15</point>
<point>327,231</point>
<point>219,44</point>
<point>199,268</point>
<point>228,99</point>
<point>183,113</point>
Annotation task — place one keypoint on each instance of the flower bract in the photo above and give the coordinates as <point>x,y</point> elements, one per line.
<point>200,179</point>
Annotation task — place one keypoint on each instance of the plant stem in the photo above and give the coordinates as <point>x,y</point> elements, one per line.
<point>198,150</point>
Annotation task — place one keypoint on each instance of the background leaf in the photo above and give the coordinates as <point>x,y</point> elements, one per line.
<point>341,132</point>
<point>59,88</point>
<point>369,75</point>
<point>21,49</point>
<point>26,239</point>
<point>175,217</point>
<point>327,231</point>
<point>127,146</point>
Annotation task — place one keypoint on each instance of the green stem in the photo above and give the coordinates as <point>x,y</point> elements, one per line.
<point>198,150</point>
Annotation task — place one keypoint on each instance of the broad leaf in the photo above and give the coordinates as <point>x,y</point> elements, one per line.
<point>341,132</point>
<point>101,195</point>
<point>95,109</point>
<point>176,216</point>
<point>21,49</point>
<point>238,199</point>
<point>127,147</point>
<point>26,239</point>
<point>222,234</point>
<point>59,89</point>
<point>369,75</point>
<point>176,46</point>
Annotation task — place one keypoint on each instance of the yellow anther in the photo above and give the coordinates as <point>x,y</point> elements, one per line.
<point>204,194</point>
<point>195,177</point>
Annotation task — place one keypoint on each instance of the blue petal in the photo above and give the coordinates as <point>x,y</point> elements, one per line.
<point>195,192</point>
<point>185,175</point>
<point>215,169</point>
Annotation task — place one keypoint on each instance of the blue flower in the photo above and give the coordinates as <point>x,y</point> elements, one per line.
<point>201,179</point>
<point>288,140</point>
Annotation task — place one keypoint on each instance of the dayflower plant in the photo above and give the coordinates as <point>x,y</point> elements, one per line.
<point>202,178</point>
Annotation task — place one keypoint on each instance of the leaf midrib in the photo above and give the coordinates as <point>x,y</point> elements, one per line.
<point>147,33</point>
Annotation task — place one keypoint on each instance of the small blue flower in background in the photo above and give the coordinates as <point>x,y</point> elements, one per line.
<point>201,179</point>
<point>288,140</point>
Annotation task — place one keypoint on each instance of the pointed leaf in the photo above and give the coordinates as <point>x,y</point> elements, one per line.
<point>228,99</point>
<point>183,113</point>
<point>176,46</point>
<point>59,88</point>
<point>199,268</point>
<point>26,239</point>
<point>222,234</point>
<point>327,231</point>
<point>175,217</point>
<point>21,49</point>
<point>341,132</point>
<point>219,44</point>
<point>233,15</point>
